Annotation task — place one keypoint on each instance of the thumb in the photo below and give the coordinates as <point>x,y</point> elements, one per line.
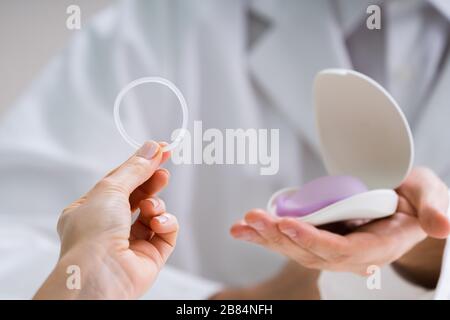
<point>429,197</point>
<point>135,171</point>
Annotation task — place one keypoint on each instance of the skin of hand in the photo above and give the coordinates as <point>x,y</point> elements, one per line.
<point>404,237</point>
<point>116,259</point>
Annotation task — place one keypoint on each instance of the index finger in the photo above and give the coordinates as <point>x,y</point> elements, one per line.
<point>153,185</point>
<point>322,243</point>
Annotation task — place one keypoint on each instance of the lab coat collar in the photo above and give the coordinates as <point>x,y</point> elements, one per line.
<point>287,57</point>
<point>350,13</point>
<point>433,130</point>
<point>432,127</point>
<point>443,6</point>
<point>265,8</point>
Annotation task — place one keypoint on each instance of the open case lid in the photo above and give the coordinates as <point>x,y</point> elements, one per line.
<point>362,131</point>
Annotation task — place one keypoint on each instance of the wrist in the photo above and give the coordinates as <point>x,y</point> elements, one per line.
<point>295,282</point>
<point>83,272</point>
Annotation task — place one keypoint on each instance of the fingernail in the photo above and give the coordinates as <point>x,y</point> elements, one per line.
<point>155,203</point>
<point>148,150</point>
<point>162,219</point>
<point>258,225</point>
<point>291,233</point>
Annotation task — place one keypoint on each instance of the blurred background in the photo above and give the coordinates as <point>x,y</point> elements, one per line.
<point>31,32</point>
<point>60,138</point>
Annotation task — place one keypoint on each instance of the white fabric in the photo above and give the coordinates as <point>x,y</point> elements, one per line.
<point>29,249</point>
<point>393,57</point>
<point>60,137</point>
<point>412,68</point>
<point>346,286</point>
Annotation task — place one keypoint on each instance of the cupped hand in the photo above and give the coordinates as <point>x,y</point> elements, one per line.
<point>422,211</point>
<point>117,258</point>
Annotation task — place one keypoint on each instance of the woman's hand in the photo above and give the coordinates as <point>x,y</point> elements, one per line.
<point>422,210</point>
<point>116,259</point>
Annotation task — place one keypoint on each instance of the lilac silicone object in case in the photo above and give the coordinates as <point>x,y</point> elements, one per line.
<point>318,194</point>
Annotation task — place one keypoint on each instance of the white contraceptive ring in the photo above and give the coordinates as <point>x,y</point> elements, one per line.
<point>173,88</point>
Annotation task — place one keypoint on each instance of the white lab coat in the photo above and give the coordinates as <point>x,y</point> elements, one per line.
<point>60,136</point>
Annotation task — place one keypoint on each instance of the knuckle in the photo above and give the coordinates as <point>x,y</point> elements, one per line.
<point>138,166</point>
<point>406,185</point>
<point>62,222</point>
<point>340,258</point>
<point>276,239</point>
<point>103,184</point>
<point>345,252</point>
<point>67,214</point>
<point>160,204</point>
<point>307,242</point>
<point>109,184</point>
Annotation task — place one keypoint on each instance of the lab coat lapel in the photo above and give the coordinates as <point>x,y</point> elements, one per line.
<point>286,59</point>
<point>432,130</point>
